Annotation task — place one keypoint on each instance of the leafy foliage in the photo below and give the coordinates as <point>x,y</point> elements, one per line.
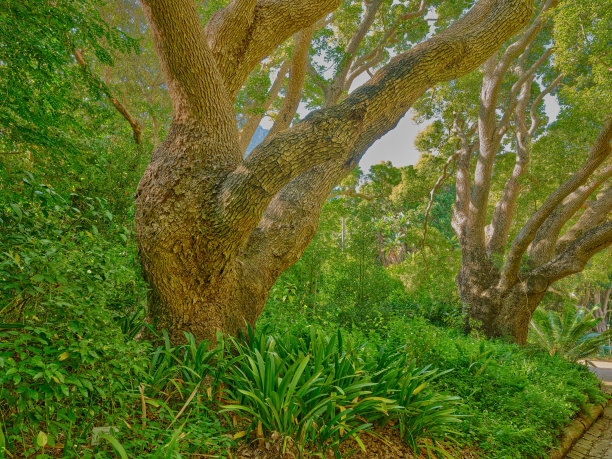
<point>41,107</point>
<point>567,333</point>
<point>322,391</point>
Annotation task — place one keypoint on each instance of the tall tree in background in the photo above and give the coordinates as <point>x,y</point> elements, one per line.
<point>215,229</point>
<point>505,273</point>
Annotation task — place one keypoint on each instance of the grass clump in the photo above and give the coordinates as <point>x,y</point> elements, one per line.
<point>320,390</point>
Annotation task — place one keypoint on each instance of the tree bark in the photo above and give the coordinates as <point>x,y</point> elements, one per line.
<point>602,298</point>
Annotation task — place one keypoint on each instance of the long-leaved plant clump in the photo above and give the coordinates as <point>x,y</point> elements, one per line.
<point>320,390</point>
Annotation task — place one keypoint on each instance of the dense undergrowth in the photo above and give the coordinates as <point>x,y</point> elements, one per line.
<point>72,304</point>
<point>514,400</point>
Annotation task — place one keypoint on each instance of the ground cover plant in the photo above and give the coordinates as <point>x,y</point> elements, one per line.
<point>72,308</point>
<point>515,400</point>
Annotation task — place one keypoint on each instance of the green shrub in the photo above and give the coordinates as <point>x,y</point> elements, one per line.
<point>516,400</point>
<point>568,333</point>
<point>70,305</point>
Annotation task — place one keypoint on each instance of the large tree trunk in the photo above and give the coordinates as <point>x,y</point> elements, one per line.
<point>499,314</point>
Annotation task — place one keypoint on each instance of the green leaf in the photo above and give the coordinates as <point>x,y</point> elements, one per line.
<point>17,211</point>
<point>41,439</point>
<point>2,442</point>
<point>119,449</point>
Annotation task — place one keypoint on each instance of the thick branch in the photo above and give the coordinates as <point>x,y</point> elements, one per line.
<point>345,131</point>
<point>499,229</point>
<point>238,49</point>
<point>542,249</point>
<point>600,151</point>
<point>199,103</point>
<point>516,87</point>
<point>576,255</point>
<point>289,223</point>
<point>488,132</point>
<point>594,215</point>
<point>297,74</point>
<point>462,183</point>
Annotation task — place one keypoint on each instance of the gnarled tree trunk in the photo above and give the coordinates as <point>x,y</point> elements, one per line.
<point>215,229</point>
<point>498,289</point>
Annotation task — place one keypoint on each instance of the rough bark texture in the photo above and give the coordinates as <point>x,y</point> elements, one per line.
<point>215,230</point>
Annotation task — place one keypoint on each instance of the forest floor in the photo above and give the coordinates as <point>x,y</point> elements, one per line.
<point>382,443</point>
<point>597,440</point>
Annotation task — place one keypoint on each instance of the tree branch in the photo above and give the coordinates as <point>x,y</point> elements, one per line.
<point>462,182</point>
<point>516,87</point>
<point>289,224</point>
<point>542,249</point>
<point>316,78</point>
<point>133,122</point>
<point>297,74</point>
<point>488,131</point>
<point>345,131</point>
<point>338,84</point>
<point>600,151</point>
<point>596,212</point>
<point>373,57</point>
<point>199,103</point>
<point>519,46</point>
<point>576,255</point>
<point>250,125</point>
<point>498,230</point>
<point>271,23</point>
<point>535,119</point>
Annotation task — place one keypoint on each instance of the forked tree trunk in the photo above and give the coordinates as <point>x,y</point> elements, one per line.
<point>187,254</point>
<point>215,229</point>
<point>502,289</point>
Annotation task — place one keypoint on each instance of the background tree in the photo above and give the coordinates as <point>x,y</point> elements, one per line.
<point>509,258</point>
